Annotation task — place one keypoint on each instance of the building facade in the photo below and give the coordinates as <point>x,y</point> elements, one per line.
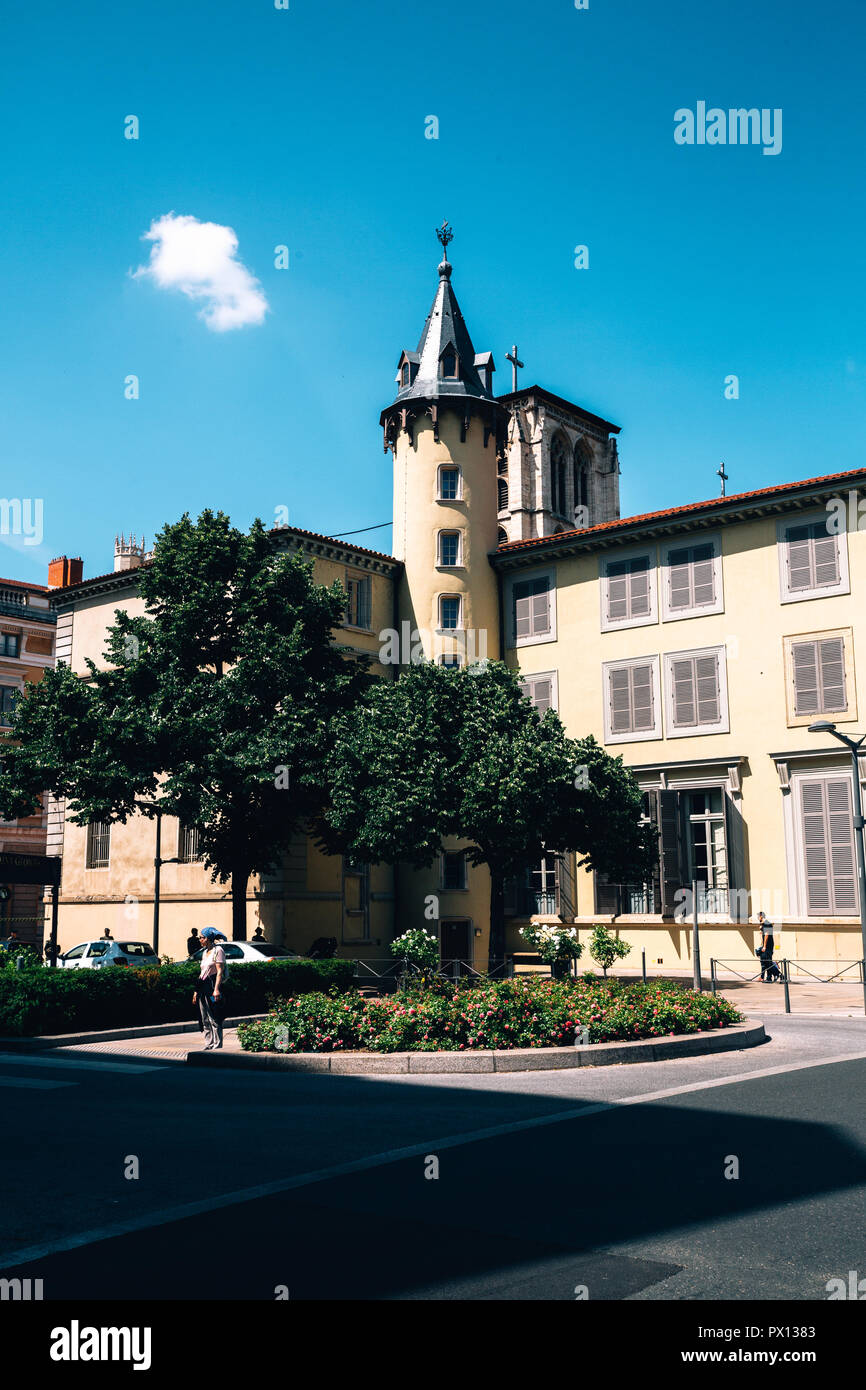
<point>697,643</point>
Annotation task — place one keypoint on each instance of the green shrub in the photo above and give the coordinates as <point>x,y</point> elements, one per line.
<point>65,1001</point>
<point>527,1012</point>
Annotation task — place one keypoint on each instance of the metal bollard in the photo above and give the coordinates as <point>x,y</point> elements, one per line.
<point>863,981</point>
<point>643,965</point>
<point>713,974</point>
<point>785,983</point>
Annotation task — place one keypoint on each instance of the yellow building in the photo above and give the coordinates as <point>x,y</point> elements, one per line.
<point>698,643</point>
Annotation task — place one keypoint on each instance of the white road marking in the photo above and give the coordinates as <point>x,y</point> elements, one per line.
<point>218,1201</point>
<point>20,1059</point>
<point>33,1083</point>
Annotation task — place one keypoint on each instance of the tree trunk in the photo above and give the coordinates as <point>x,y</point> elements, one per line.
<point>240,879</point>
<point>496,949</point>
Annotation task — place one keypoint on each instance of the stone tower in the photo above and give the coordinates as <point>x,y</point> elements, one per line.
<point>446,431</point>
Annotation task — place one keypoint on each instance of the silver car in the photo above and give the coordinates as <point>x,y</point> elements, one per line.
<point>92,955</point>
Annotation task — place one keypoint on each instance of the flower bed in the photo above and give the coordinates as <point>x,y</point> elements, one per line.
<point>529,1012</point>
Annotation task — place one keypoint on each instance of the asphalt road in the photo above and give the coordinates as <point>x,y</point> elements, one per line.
<point>611,1180</point>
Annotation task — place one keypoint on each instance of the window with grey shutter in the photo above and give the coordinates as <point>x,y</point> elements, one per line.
<point>818,673</point>
<point>813,557</point>
<point>628,589</point>
<point>828,839</point>
<point>630,692</point>
<point>696,697</point>
<point>692,579</point>
<point>531,608</point>
<point>538,689</point>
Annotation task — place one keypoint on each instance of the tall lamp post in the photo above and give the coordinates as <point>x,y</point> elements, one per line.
<point>157,865</point>
<point>823,726</point>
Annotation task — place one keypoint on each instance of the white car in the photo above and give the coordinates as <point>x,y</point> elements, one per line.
<point>239,952</point>
<point>92,955</point>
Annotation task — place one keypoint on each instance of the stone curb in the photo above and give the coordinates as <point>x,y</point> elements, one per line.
<point>147,1030</point>
<point>739,1035</point>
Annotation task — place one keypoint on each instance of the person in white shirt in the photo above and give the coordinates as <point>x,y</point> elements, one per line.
<point>209,992</point>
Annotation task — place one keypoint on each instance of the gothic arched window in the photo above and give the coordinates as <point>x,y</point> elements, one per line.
<point>582,464</point>
<point>557,475</point>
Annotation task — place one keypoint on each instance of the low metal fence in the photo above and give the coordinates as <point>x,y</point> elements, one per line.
<point>787,976</point>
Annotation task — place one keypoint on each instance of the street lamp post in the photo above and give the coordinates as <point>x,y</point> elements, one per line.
<point>823,726</point>
<point>157,865</point>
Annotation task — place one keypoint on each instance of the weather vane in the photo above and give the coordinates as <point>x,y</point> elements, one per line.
<point>445,235</point>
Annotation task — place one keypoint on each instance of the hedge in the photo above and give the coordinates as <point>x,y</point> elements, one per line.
<point>531,1012</point>
<point>49,1001</point>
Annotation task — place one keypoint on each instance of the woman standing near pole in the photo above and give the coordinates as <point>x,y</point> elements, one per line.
<point>209,993</point>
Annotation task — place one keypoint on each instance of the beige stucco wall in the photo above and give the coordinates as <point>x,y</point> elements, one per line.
<point>752,628</point>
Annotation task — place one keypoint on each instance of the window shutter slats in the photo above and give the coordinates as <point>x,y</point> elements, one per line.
<point>703,578</point>
<point>682,672</point>
<point>639,590</point>
<point>707,687</point>
<point>805,670</point>
<point>680,578</point>
<point>828,836</point>
<point>831,652</point>
<point>642,698</point>
<point>620,701</point>
<point>826,560</point>
<point>617,592</point>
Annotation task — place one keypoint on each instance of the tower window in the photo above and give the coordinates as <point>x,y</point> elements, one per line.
<point>449,612</point>
<point>449,548</point>
<point>405,373</point>
<point>557,476</point>
<point>502,538</point>
<point>502,494</point>
<point>449,484</point>
<point>448,364</point>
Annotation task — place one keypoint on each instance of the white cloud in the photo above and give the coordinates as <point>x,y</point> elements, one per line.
<point>200,260</point>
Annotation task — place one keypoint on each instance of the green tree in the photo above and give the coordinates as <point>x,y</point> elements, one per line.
<point>442,752</point>
<point>216,705</point>
<point>605,949</point>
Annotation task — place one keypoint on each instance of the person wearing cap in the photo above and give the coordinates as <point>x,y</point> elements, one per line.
<point>209,992</point>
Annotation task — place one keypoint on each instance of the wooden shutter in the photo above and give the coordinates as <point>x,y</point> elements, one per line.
<point>818,673</point>
<point>800,558</point>
<point>607,898</point>
<point>565,881</point>
<point>680,572</point>
<point>540,608</point>
<point>669,849</point>
<point>620,700</point>
<point>828,835</point>
<point>642,698</point>
<point>683,678</point>
<point>538,689</point>
<point>736,847</point>
<point>617,591</point>
<point>831,661</point>
<point>703,576</point>
<point>639,590</point>
<point>522,611</point>
<point>707,689</point>
<point>825,551</point>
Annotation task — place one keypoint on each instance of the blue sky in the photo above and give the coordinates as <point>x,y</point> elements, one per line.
<point>306,128</point>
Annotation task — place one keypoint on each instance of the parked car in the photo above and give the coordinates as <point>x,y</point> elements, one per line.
<point>239,952</point>
<point>92,955</point>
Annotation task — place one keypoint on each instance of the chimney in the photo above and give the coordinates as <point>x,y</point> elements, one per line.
<point>128,553</point>
<point>65,571</point>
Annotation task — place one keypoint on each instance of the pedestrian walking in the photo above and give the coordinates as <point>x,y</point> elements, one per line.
<point>765,954</point>
<point>209,991</point>
<point>193,942</point>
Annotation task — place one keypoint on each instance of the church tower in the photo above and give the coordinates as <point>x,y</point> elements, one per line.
<point>446,431</point>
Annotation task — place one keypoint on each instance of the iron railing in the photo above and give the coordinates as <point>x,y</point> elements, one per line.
<point>787,979</point>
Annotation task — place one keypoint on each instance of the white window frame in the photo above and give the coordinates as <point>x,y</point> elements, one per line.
<point>632,553</point>
<point>723,726</point>
<point>440,535</point>
<point>447,631</point>
<point>690,541</point>
<point>359,577</point>
<point>526,677</point>
<point>450,468</point>
<point>520,577</point>
<point>643,735</point>
<point>826,591</point>
<point>798,896</point>
<point>846,716</point>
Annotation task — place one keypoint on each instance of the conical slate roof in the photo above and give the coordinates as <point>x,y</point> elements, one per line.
<point>445,327</point>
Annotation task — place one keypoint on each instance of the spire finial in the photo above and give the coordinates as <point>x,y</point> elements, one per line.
<point>724,477</point>
<point>445,234</point>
